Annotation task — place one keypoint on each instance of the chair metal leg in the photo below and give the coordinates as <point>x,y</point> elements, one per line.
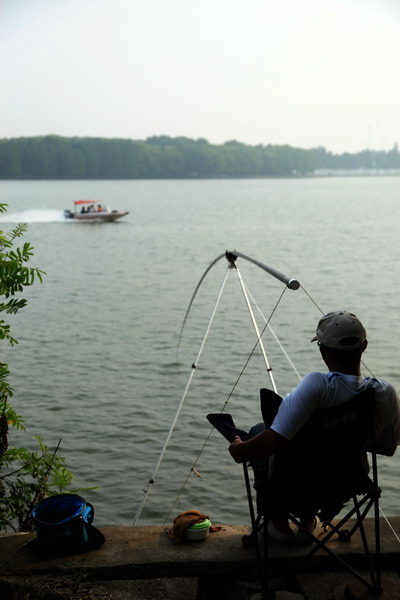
<point>374,586</point>
<point>254,522</point>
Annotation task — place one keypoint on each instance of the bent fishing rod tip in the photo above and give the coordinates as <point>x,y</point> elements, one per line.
<point>231,257</point>
<point>293,284</point>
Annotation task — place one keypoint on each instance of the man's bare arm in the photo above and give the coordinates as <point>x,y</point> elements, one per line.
<point>264,444</point>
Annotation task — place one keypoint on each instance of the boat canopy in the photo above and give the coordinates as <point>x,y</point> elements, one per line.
<point>84,202</point>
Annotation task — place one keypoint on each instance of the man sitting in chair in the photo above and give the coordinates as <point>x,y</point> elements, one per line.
<point>341,339</point>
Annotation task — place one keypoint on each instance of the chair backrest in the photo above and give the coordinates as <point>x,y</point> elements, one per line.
<point>326,463</point>
<point>342,430</point>
<point>270,402</point>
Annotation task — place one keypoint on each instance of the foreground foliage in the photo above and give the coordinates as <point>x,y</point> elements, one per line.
<point>26,477</point>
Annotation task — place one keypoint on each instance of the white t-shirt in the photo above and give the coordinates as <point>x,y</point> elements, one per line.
<point>324,390</point>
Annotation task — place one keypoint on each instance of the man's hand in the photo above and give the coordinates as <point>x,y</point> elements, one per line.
<point>264,444</point>
<point>234,448</point>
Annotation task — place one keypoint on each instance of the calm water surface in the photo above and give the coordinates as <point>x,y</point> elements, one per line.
<point>97,363</point>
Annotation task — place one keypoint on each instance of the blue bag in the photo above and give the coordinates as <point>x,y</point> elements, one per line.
<point>63,525</point>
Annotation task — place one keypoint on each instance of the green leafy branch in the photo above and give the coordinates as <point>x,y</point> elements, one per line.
<point>32,477</point>
<point>26,477</point>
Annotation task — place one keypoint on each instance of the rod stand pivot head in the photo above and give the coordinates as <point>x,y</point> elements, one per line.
<point>231,258</point>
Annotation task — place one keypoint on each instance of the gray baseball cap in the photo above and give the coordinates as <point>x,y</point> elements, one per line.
<point>341,330</point>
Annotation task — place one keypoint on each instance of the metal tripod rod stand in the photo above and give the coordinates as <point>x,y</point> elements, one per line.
<point>256,329</point>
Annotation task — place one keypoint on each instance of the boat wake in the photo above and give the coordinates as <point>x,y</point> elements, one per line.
<point>44,215</point>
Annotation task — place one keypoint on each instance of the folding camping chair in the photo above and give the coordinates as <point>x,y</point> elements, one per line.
<point>324,467</point>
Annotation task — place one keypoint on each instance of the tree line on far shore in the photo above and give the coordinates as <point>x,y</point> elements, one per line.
<point>163,157</point>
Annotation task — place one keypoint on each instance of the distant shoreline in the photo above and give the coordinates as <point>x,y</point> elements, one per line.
<point>161,157</point>
<point>316,175</point>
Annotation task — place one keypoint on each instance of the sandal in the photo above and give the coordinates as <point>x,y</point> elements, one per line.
<point>278,537</point>
<point>316,531</point>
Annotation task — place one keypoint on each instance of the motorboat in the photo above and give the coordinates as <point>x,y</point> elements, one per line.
<point>89,211</point>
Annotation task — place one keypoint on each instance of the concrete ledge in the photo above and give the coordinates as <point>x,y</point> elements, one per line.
<point>143,553</point>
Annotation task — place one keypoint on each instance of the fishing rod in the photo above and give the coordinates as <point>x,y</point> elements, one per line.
<point>152,479</point>
<point>231,257</point>
<point>292,284</point>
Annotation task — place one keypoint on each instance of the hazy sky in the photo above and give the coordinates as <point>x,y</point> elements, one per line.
<point>298,72</point>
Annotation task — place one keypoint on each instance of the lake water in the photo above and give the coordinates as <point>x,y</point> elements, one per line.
<point>97,363</point>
